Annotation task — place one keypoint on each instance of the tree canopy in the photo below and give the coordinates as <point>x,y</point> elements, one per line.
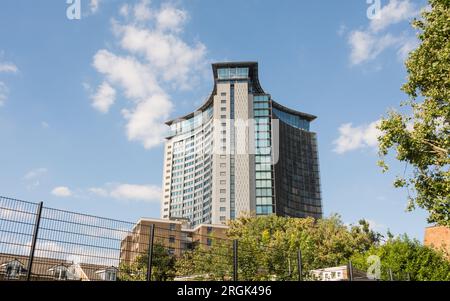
<point>421,136</point>
<point>268,248</point>
<point>407,259</point>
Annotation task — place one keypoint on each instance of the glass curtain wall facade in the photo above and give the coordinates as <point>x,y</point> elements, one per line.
<point>265,203</point>
<point>203,187</point>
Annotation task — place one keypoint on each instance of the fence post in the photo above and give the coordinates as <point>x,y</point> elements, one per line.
<point>150,252</point>
<point>391,277</point>
<point>408,277</point>
<point>299,265</point>
<point>34,239</point>
<point>350,270</point>
<point>235,260</point>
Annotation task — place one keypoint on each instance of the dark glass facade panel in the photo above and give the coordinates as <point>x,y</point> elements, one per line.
<point>297,182</point>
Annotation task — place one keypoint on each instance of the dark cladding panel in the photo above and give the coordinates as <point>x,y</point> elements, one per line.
<point>297,181</point>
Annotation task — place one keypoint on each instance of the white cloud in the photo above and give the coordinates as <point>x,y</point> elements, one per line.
<point>171,18</point>
<point>136,79</point>
<point>3,93</point>
<point>168,55</point>
<point>5,67</point>
<point>408,45</point>
<point>33,177</point>
<point>367,44</point>
<point>35,173</point>
<point>342,30</point>
<point>145,123</point>
<point>45,125</point>
<point>375,226</point>
<point>62,191</point>
<point>8,67</point>
<point>94,5</point>
<point>394,12</point>
<point>130,192</point>
<point>99,191</point>
<point>104,98</point>
<point>142,11</point>
<point>353,138</point>
<point>156,60</point>
<point>137,192</point>
<point>124,10</point>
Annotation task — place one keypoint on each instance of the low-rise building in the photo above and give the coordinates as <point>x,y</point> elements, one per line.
<point>438,238</point>
<point>339,273</point>
<point>14,267</point>
<point>174,235</point>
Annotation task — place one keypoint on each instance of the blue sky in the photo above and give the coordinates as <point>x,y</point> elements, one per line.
<point>82,102</point>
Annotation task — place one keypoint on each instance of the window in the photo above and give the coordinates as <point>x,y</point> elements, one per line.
<point>222,165</point>
<point>171,239</point>
<point>261,105</point>
<point>223,209</point>
<point>110,275</point>
<point>223,191</point>
<point>223,174</point>
<point>223,109</point>
<point>59,272</point>
<point>223,200</point>
<point>223,101</point>
<point>223,116</point>
<point>222,218</point>
<point>223,94</point>
<point>171,251</point>
<point>209,242</point>
<point>223,182</point>
<point>14,269</point>
<point>172,227</point>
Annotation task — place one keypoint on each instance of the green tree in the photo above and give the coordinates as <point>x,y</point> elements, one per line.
<point>212,262</point>
<point>421,136</point>
<point>268,247</point>
<point>407,259</point>
<point>163,266</point>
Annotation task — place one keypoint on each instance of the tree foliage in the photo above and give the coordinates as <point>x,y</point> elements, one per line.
<point>407,259</point>
<point>163,266</point>
<point>268,248</point>
<point>421,138</point>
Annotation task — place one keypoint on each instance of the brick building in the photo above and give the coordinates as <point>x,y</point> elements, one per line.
<point>438,237</point>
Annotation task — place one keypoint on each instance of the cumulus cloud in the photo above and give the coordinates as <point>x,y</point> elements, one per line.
<point>62,191</point>
<point>129,192</point>
<point>8,67</point>
<point>367,44</point>
<point>94,5</point>
<point>357,137</point>
<point>33,177</point>
<point>394,12</point>
<point>35,173</point>
<point>5,67</point>
<point>142,11</point>
<point>3,93</point>
<point>104,98</point>
<point>154,61</point>
<point>170,18</point>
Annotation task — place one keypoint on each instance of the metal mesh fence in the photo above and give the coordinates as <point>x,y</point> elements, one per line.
<point>40,243</point>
